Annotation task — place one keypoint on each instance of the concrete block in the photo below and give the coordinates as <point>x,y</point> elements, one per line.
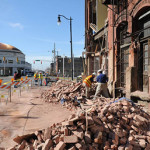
<point>71,139</point>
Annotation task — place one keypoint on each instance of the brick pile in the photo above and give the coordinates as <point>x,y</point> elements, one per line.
<point>63,89</point>
<point>126,125</point>
<point>67,90</point>
<point>119,125</point>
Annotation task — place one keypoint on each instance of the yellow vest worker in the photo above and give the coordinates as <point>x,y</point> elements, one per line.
<point>87,83</point>
<point>40,78</point>
<point>36,77</point>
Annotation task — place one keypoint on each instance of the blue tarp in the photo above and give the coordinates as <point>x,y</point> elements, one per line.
<point>122,98</point>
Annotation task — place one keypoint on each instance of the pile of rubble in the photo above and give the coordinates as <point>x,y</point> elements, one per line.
<point>126,125</point>
<point>68,92</point>
<point>62,89</point>
<point>107,124</point>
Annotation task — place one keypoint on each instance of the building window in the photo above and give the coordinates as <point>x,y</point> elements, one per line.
<point>124,64</point>
<point>123,38</point>
<point>22,62</point>
<point>10,61</point>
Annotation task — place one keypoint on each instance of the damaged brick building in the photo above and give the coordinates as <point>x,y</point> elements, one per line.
<point>117,39</point>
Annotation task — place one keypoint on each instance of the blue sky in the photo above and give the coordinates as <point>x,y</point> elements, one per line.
<point>31,26</point>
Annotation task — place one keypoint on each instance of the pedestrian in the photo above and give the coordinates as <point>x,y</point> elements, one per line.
<point>18,76</point>
<point>87,83</point>
<point>101,85</point>
<point>46,78</point>
<point>36,77</point>
<point>40,78</point>
<point>15,75</point>
<point>15,79</point>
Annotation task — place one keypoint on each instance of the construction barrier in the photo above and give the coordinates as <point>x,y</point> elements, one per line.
<point>8,88</point>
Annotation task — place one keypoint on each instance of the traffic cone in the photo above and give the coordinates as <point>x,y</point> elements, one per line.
<point>44,82</point>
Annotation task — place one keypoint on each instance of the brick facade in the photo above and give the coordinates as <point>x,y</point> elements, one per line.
<point>134,11</point>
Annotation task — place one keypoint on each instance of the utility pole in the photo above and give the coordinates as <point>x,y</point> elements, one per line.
<point>63,65</point>
<point>54,58</point>
<point>59,21</point>
<point>73,65</point>
<point>53,51</point>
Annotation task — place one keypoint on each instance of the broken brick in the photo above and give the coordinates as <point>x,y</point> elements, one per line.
<point>70,139</point>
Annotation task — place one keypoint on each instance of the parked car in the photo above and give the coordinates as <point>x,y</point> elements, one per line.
<point>30,74</point>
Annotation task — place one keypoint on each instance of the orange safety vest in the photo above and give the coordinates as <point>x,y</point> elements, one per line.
<point>35,76</point>
<point>87,81</point>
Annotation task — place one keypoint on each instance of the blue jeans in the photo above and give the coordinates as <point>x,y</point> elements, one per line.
<point>40,82</point>
<point>36,82</point>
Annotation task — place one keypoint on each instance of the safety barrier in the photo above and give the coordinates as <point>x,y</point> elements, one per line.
<point>8,88</point>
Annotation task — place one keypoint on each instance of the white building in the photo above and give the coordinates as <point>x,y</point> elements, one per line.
<point>11,60</point>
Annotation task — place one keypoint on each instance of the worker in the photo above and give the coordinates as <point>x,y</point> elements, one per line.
<point>40,78</point>
<point>101,84</point>
<point>87,83</point>
<point>36,77</point>
<point>46,78</point>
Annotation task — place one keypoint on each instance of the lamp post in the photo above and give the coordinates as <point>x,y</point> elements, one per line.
<point>59,21</point>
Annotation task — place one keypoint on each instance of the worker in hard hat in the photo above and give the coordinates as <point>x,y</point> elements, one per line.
<point>36,77</point>
<point>87,83</point>
<point>40,78</point>
<point>101,84</point>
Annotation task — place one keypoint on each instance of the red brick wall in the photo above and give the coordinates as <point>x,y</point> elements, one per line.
<point>133,9</point>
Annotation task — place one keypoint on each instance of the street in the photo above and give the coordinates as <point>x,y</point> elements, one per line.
<point>22,115</point>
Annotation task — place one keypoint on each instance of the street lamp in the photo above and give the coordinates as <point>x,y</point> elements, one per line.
<point>59,21</point>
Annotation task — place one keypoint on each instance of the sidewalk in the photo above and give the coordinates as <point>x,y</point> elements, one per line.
<point>27,114</point>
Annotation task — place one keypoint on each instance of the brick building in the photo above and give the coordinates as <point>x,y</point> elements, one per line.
<point>127,43</point>
<point>96,32</point>
<point>63,65</point>
<point>129,33</point>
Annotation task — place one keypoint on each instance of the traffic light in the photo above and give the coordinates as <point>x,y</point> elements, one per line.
<point>34,62</point>
<point>41,61</point>
<point>17,59</point>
